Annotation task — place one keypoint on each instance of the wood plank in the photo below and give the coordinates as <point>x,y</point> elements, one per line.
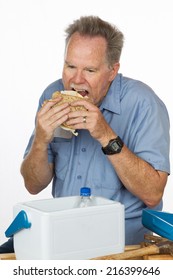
<point>7,256</point>
<point>158,257</point>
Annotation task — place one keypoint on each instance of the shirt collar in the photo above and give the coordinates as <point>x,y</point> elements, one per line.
<point>111,102</point>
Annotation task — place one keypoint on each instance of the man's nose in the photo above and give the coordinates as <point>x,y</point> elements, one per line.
<point>78,77</point>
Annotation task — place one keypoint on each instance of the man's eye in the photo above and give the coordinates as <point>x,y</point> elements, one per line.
<point>71,66</point>
<point>91,70</point>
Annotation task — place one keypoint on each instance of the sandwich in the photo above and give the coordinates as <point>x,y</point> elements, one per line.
<point>69,96</point>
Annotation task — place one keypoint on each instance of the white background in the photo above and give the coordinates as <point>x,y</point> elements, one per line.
<point>31,57</point>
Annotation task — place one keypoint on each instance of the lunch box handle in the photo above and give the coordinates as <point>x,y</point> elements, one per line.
<point>20,222</point>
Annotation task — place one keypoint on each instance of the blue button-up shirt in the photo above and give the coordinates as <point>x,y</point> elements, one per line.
<point>140,118</point>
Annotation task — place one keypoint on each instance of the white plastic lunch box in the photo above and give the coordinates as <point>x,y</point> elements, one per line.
<point>55,229</point>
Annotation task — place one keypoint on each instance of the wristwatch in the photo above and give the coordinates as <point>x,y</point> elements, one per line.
<point>114,146</point>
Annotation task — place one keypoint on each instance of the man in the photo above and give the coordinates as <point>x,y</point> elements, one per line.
<point>122,148</point>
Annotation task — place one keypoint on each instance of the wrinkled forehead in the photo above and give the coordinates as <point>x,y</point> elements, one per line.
<point>85,45</point>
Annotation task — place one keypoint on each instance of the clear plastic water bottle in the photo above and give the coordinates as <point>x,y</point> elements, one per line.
<point>85,200</point>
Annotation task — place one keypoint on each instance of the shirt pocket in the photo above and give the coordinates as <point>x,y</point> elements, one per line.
<point>61,151</point>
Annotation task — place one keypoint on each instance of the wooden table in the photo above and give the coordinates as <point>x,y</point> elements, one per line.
<point>128,248</point>
<point>11,256</point>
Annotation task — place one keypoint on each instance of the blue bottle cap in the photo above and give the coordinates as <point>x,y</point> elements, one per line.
<point>85,191</point>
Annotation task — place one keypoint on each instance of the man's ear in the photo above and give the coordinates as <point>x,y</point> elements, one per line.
<point>114,70</point>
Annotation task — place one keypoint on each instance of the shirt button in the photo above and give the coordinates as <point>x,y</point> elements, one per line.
<point>79,177</point>
<point>83,149</point>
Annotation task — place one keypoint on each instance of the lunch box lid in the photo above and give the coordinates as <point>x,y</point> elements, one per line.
<point>159,222</point>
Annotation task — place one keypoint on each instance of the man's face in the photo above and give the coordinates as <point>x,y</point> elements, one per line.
<point>86,69</point>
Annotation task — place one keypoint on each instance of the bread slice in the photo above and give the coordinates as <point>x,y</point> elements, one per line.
<point>69,96</point>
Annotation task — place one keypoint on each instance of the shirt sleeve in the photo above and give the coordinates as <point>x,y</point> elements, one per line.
<point>151,131</point>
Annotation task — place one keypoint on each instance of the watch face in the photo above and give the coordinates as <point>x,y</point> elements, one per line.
<point>114,146</point>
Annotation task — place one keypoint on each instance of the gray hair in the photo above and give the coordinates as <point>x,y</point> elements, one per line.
<point>94,26</point>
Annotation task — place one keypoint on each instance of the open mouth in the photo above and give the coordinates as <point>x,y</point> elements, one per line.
<point>82,92</point>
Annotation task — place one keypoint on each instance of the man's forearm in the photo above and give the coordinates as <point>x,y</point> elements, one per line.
<point>139,177</point>
<point>36,170</point>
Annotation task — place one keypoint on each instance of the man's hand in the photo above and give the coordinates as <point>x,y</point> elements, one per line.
<point>49,118</point>
<point>93,120</point>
